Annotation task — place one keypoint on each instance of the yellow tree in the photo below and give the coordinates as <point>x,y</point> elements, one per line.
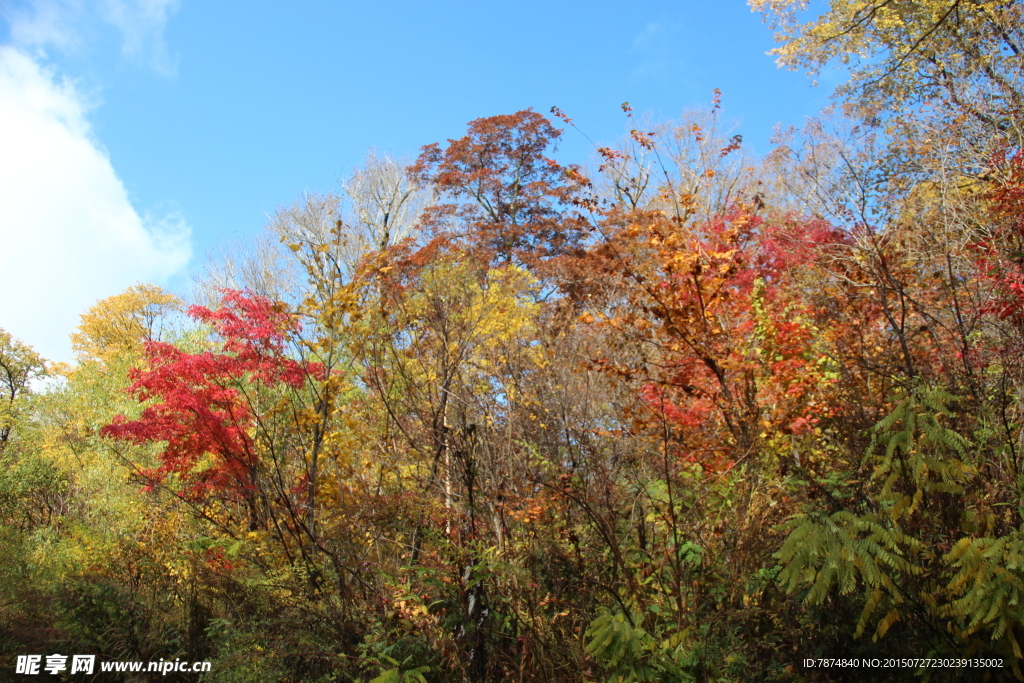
<point>118,325</point>
<point>904,53</point>
<point>19,365</point>
<point>944,77</point>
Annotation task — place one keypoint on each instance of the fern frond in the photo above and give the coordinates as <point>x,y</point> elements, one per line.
<point>919,450</point>
<point>631,655</point>
<point>987,586</point>
<point>842,550</point>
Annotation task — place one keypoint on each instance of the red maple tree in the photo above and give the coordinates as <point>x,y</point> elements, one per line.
<point>205,406</point>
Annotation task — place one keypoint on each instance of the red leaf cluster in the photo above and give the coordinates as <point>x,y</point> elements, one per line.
<point>204,404</point>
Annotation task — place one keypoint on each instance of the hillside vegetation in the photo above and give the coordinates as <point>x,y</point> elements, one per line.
<point>681,415</point>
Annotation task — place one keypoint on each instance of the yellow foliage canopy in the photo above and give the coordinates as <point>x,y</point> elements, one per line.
<point>118,325</point>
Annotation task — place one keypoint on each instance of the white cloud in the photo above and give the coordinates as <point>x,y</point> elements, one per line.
<point>68,232</point>
<point>68,25</point>
<point>45,22</point>
<point>141,24</point>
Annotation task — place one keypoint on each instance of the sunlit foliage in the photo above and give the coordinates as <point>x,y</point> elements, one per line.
<point>698,417</point>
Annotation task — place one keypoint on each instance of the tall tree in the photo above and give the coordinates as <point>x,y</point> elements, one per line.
<point>19,365</point>
<point>500,191</point>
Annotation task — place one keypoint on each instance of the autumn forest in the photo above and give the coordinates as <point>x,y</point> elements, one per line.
<point>678,413</point>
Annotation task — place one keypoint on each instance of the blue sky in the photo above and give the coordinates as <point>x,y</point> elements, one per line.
<point>138,135</point>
